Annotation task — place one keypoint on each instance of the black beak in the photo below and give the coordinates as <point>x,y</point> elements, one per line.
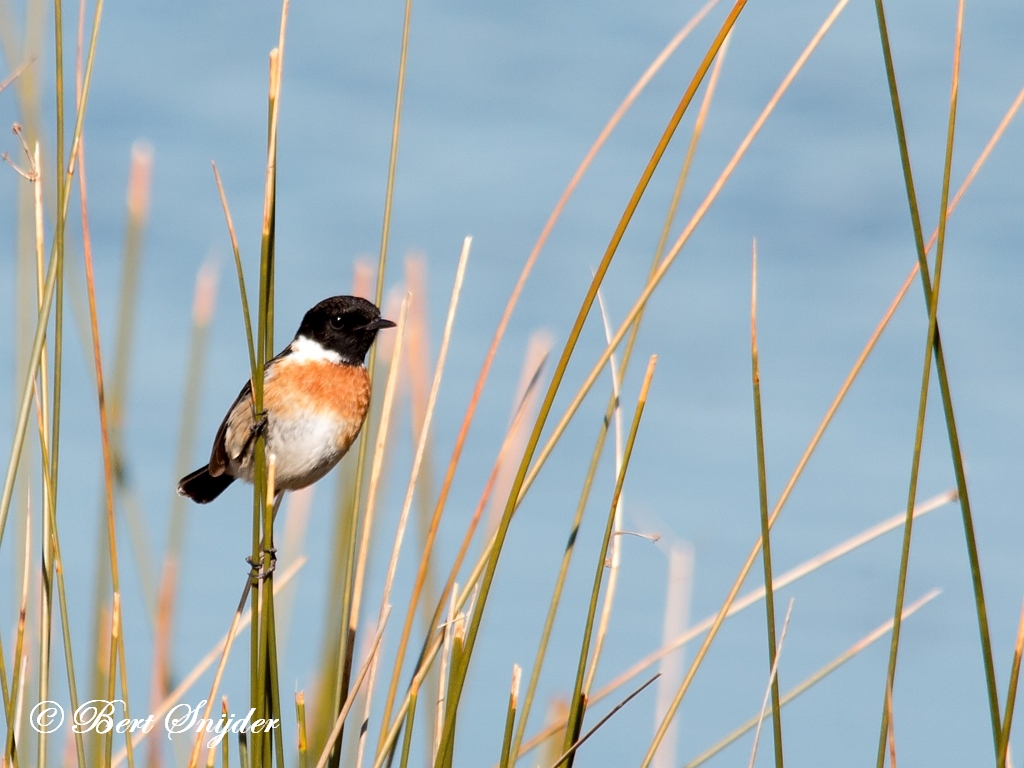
<point>379,324</point>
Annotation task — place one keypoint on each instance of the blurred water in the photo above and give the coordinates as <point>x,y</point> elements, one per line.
<point>502,103</point>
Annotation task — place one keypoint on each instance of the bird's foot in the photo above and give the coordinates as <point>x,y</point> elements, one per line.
<point>257,571</point>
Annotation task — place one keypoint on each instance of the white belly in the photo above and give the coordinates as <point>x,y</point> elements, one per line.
<point>305,449</point>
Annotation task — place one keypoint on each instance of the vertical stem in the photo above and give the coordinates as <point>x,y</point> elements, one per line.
<point>762,489</point>
<point>459,673</point>
<point>264,696</point>
<point>58,242</point>
<point>347,638</point>
<point>933,306</point>
<point>407,740</point>
<point>1011,696</point>
<point>577,702</point>
<point>510,717</point>
<point>940,366</point>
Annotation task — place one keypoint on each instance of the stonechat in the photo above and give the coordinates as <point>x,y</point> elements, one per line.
<point>315,397</point>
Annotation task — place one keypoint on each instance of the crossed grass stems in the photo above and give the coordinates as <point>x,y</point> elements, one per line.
<point>454,641</point>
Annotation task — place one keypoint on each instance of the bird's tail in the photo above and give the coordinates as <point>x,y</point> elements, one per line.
<point>202,487</point>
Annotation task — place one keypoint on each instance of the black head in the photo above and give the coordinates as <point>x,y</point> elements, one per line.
<point>344,324</point>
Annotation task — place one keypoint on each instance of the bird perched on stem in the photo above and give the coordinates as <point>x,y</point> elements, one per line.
<point>315,397</point>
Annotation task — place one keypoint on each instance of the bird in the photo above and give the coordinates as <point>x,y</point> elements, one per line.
<point>316,394</point>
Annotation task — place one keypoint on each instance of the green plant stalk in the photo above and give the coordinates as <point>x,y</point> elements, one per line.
<point>52,552</point>
<point>349,537</point>
<point>449,586</point>
<point>116,396</point>
<point>52,566</point>
<point>66,631</point>
<point>940,368</point>
<point>446,749</point>
<point>762,491</point>
<point>813,680</point>
<point>117,634</point>
<point>244,296</point>
<point>21,423</point>
<point>263,512</point>
<point>421,446</point>
<point>446,591</point>
<point>407,739</point>
<point>750,598</point>
<point>35,360</point>
<point>674,252</point>
<point>1011,696</point>
<point>510,720</point>
<point>343,713</point>
<point>62,192</point>
<point>267,244</point>
<point>243,751</point>
<point>46,587</point>
<point>439,506</point>
<point>345,646</point>
<point>421,672</point>
<point>932,300</point>
<point>577,705</point>
<point>645,295</point>
<point>43,419</point>
<point>459,672</point>
<point>275,691</point>
<point>563,570</point>
<point>610,410</point>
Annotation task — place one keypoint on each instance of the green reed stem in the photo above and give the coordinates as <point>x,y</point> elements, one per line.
<point>21,423</point>
<point>243,751</point>
<point>1011,696</point>
<point>459,673</point>
<point>762,490</point>
<point>421,584</point>
<point>346,641</point>
<point>385,752</point>
<point>239,271</point>
<point>263,655</point>
<point>58,238</point>
<point>54,272</point>
<point>645,295</point>
<point>611,406</point>
<point>940,365</point>
<point>510,718</point>
<point>407,738</point>
<point>563,571</point>
<point>577,705</point>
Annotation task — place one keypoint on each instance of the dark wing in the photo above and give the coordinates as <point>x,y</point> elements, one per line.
<point>219,458</point>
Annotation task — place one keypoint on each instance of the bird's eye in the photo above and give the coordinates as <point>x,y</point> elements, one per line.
<point>337,321</point>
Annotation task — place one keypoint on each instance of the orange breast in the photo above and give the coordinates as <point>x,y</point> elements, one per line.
<point>334,391</point>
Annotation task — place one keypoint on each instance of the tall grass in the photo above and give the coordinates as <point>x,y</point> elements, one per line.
<point>388,691</point>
